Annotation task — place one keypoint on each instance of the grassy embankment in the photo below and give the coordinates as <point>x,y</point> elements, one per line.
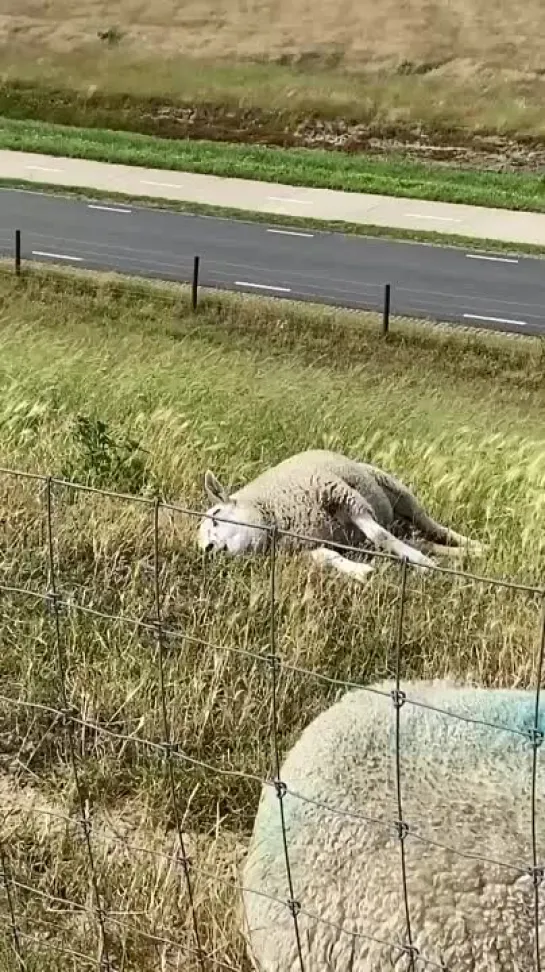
<point>431,67</point>
<point>127,390</point>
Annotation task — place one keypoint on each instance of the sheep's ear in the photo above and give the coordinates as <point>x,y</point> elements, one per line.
<point>214,490</point>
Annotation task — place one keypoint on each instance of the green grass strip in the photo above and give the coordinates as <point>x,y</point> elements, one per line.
<point>298,167</point>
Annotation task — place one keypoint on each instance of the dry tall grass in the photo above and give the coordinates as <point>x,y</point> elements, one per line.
<point>353,34</point>
<point>429,63</point>
<point>160,395</point>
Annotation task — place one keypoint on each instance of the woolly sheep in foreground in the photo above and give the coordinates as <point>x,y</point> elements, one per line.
<point>463,785</point>
<point>327,496</point>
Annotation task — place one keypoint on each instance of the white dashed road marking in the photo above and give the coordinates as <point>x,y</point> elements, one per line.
<point>163,185</point>
<point>492,259</point>
<point>286,199</point>
<point>258,286</point>
<point>494,320</point>
<point>57,256</point>
<point>280,232</point>
<point>109,209</point>
<point>440,219</point>
<point>41,168</point>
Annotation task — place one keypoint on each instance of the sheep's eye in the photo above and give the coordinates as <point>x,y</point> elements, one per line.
<point>214,523</point>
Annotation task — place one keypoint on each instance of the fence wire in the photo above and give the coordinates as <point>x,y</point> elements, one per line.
<point>160,272</point>
<point>30,935</point>
<point>185,862</point>
<point>67,715</point>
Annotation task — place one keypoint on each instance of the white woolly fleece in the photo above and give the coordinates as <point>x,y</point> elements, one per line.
<point>307,492</point>
<point>463,785</point>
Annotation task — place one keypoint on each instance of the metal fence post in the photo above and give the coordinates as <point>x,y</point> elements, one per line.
<point>195,285</point>
<point>386,310</point>
<point>18,252</point>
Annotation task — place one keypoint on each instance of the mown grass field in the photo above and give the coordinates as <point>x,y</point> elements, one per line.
<point>128,391</point>
<point>297,167</point>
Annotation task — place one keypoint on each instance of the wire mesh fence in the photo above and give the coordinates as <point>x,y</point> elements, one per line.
<point>215,270</point>
<point>105,654</point>
<point>188,270</point>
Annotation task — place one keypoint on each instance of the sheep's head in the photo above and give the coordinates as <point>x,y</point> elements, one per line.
<point>228,525</point>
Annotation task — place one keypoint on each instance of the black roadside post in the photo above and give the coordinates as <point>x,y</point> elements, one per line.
<point>386,310</point>
<point>195,285</point>
<point>18,252</point>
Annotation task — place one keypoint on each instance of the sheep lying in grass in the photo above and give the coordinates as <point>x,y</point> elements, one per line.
<point>464,786</point>
<point>327,496</point>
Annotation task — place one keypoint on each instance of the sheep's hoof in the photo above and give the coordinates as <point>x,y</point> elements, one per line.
<point>478,549</point>
<point>474,547</point>
<point>421,563</point>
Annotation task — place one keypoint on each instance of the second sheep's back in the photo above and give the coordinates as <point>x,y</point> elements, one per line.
<point>466,802</point>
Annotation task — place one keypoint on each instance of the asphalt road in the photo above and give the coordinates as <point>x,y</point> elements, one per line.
<point>437,283</point>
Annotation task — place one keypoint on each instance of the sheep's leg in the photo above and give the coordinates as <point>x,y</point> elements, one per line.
<point>347,503</point>
<point>450,553</point>
<point>384,540</point>
<point>455,544</point>
<point>326,557</point>
<point>407,507</point>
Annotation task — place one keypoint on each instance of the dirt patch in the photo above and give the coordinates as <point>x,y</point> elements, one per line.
<point>227,123</point>
<point>492,152</point>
